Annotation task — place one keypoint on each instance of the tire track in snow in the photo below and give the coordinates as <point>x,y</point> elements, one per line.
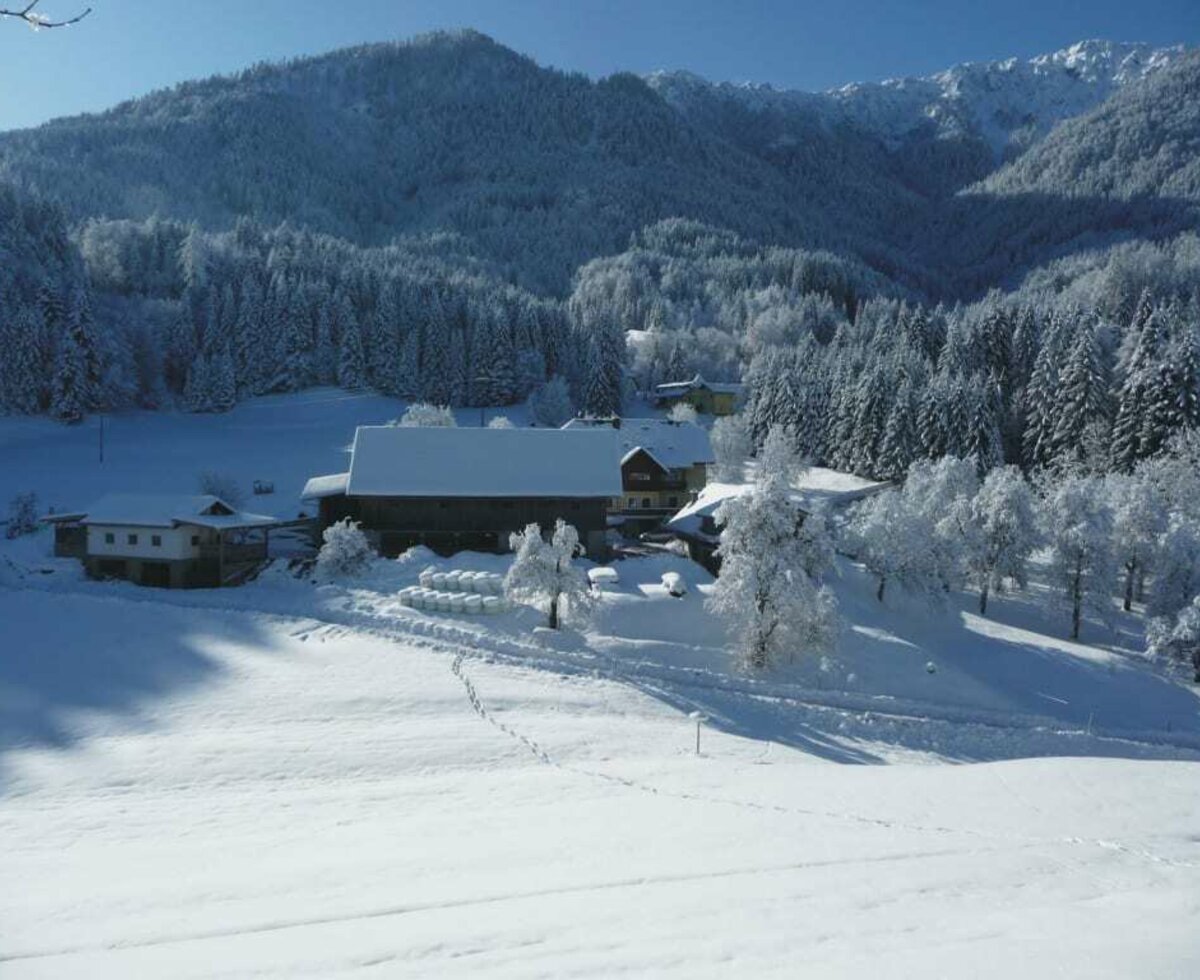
<point>282,925</point>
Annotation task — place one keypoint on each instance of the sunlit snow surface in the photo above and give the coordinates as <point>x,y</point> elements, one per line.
<point>293,780</point>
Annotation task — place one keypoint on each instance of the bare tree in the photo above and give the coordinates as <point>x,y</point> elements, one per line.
<point>37,20</point>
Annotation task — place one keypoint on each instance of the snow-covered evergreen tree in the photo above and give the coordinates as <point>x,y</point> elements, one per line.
<point>351,371</point>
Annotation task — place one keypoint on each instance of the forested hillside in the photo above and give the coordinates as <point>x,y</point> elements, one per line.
<point>444,219</point>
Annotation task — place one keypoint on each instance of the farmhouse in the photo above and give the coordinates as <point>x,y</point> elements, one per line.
<point>162,540</point>
<point>466,488</point>
<point>706,397</point>
<point>664,465</point>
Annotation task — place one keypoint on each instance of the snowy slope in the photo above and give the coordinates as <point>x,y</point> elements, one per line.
<point>287,779</point>
<point>240,795</point>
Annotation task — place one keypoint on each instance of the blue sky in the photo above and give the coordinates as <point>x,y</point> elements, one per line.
<point>130,47</point>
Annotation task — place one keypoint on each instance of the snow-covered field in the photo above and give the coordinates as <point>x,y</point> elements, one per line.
<point>294,780</point>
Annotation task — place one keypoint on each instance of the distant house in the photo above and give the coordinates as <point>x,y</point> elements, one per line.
<point>706,397</point>
<point>469,488</point>
<point>664,465</point>
<point>165,541</point>
<point>696,524</point>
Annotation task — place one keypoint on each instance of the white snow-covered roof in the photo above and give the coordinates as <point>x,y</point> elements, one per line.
<point>674,445</point>
<point>332,485</point>
<point>673,389</point>
<point>169,510</point>
<point>395,461</point>
<point>814,487</point>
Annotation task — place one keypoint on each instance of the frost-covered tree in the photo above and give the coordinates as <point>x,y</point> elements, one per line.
<point>550,404</point>
<point>345,551</point>
<point>892,540</point>
<point>1139,514</point>
<point>500,422</point>
<point>938,493</point>
<point>22,515</point>
<point>223,486</point>
<point>1077,526</point>
<point>1176,567</point>
<point>424,415</point>
<point>1176,642</point>
<point>769,603</point>
<point>732,446</point>
<point>682,412</point>
<point>1002,532</point>
<point>543,573</point>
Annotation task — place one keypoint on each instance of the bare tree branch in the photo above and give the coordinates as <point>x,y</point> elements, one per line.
<point>37,20</point>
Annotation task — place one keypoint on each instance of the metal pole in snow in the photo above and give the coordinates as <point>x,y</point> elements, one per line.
<point>700,719</point>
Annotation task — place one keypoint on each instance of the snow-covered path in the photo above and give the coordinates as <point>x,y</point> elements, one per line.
<point>229,794</point>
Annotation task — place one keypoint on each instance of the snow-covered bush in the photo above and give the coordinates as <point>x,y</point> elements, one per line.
<point>770,605</point>
<point>500,422</point>
<point>682,412</point>
<point>1176,642</point>
<point>220,485</point>
<point>732,446</point>
<point>550,404</point>
<point>1077,525</point>
<point>22,515</point>
<point>542,573</point>
<point>423,414</point>
<point>346,552</point>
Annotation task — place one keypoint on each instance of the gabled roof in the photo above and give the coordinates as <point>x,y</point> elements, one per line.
<point>815,487</point>
<point>169,510</point>
<point>673,445</point>
<point>395,461</point>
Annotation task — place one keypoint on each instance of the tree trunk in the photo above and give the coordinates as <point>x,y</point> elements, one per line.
<point>554,611</point>
<point>983,598</point>
<point>1130,569</point>
<point>882,586</point>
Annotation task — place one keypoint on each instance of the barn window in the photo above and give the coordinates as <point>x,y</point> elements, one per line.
<point>156,540</point>
<point>195,540</point>
<point>643,477</point>
<point>110,538</point>
<point>632,503</point>
<point>131,538</point>
<point>646,502</point>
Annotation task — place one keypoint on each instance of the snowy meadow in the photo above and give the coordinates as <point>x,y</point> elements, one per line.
<point>310,777</point>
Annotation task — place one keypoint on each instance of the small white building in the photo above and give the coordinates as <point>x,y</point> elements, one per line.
<point>164,540</point>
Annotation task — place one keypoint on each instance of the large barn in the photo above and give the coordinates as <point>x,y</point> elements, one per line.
<point>453,489</point>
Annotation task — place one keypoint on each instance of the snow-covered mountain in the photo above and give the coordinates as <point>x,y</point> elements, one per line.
<point>1008,104</point>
